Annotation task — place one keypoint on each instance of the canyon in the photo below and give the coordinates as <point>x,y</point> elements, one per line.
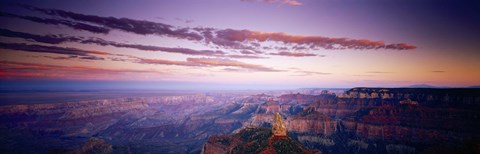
<point>357,120</point>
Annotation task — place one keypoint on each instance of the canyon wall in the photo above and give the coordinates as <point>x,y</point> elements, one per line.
<point>360,120</point>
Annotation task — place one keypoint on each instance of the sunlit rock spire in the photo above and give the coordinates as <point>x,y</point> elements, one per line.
<point>278,126</point>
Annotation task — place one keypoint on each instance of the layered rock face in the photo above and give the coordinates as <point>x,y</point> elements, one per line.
<point>432,110</point>
<point>311,122</point>
<point>171,123</point>
<point>414,123</point>
<point>379,120</point>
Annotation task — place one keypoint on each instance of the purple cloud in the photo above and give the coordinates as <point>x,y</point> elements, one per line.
<point>71,24</point>
<point>50,39</point>
<point>57,39</point>
<point>10,69</point>
<point>71,52</point>
<point>244,40</point>
<point>142,27</point>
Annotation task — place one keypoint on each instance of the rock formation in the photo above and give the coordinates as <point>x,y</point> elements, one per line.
<point>278,126</point>
<point>254,140</point>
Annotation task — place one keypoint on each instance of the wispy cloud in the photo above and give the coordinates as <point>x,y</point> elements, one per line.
<point>231,63</point>
<point>364,75</point>
<point>187,21</point>
<point>294,54</point>
<point>50,39</point>
<point>292,2</point>
<point>238,39</point>
<point>68,23</point>
<point>84,54</point>
<point>378,72</point>
<point>244,56</point>
<point>71,52</point>
<point>234,70</point>
<point>247,52</point>
<point>10,69</point>
<point>226,38</point>
<point>210,62</point>
<point>57,39</point>
<point>288,2</point>
<point>142,27</point>
<point>309,73</point>
<point>165,62</point>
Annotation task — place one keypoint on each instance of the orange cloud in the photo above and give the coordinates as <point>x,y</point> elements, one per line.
<point>232,63</point>
<point>165,62</point>
<point>209,62</point>
<point>99,52</point>
<point>18,70</point>
<point>288,2</point>
<point>292,2</point>
<point>238,38</point>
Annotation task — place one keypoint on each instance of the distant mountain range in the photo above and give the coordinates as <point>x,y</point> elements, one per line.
<point>430,86</point>
<point>424,86</point>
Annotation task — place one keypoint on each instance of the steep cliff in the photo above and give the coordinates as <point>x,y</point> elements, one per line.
<point>382,120</point>
<point>311,122</point>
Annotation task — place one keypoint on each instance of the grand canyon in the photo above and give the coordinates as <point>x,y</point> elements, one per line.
<point>239,76</point>
<point>358,120</point>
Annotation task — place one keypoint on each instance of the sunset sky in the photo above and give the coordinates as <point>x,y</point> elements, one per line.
<point>239,44</point>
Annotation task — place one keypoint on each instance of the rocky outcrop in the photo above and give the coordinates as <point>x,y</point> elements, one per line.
<point>254,140</point>
<point>278,126</point>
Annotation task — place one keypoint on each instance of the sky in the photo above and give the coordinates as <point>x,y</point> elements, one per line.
<point>238,44</point>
